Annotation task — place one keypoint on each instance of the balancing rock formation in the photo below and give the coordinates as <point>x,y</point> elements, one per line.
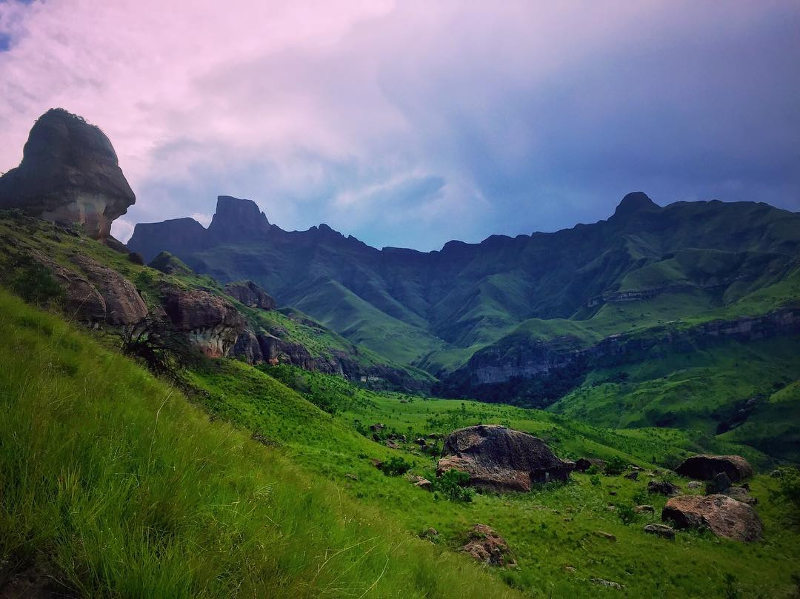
<point>69,174</point>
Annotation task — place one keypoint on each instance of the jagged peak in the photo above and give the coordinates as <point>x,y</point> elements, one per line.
<point>237,218</point>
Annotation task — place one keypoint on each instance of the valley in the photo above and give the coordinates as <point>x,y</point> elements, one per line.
<point>243,411</point>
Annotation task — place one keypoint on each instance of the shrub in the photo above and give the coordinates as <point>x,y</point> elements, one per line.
<point>615,465</point>
<point>626,513</point>
<point>34,283</point>
<point>394,466</point>
<point>452,485</point>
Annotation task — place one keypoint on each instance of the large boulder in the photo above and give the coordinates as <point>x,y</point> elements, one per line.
<point>95,293</point>
<point>69,174</point>
<point>82,301</point>
<point>250,295</point>
<point>706,467</point>
<point>501,459</point>
<point>124,305</point>
<point>211,323</point>
<point>722,515</point>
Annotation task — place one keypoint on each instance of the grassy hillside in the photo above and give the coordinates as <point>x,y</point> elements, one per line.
<point>553,531</point>
<point>20,236</point>
<point>113,484</point>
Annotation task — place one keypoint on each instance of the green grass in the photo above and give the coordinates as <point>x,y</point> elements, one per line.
<point>548,529</point>
<point>114,484</point>
<point>695,391</point>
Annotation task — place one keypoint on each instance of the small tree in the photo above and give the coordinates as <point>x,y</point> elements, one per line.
<point>164,350</point>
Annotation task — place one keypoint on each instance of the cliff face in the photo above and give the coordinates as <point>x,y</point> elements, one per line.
<point>69,174</point>
<point>526,359</point>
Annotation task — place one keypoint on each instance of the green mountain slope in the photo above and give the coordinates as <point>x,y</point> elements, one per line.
<point>114,482</point>
<point>644,265</point>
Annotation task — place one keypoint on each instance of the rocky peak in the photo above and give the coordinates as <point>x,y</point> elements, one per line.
<point>633,203</point>
<point>69,174</point>
<point>236,219</point>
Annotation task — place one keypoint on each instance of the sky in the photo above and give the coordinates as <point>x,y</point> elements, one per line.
<point>411,123</point>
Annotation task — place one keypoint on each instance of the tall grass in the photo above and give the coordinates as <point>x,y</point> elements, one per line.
<point>115,485</point>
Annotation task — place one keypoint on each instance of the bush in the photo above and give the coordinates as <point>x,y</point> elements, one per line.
<point>34,283</point>
<point>615,465</point>
<point>626,513</point>
<point>395,466</point>
<point>452,485</point>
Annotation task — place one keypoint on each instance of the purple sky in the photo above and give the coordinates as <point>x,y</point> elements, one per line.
<point>411,123</point>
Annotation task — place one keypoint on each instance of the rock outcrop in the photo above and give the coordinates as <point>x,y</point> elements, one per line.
<point>95,294</point>
<point>211,323</point>
<point>250,295</point>
<point>706,467</point>
<point>82,301</point>
<point>722,515</point>
<point>509,359</point>
<point>501,459</point>
<point>69,174</point>
<point>247,348</point>
<point>488,547</point>
<point>124,305</point>
<point>661,530</point>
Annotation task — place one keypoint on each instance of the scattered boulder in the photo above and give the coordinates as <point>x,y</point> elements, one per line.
<point>211,323</point>
<point>662,487</point>
<point>694,484</point>
<point>422,483</point>
<point>641,509</point>
<point>69,174</point>
<point>706,467</point>
<point>501,459</point>
<point>719,484</point>
<point>661,530</point>
<point>250,295</point>
<point>632,475</point>
<point>724,516</point>
<point>605,535</point>
<point>486,546</point>
<point>583,464</point>
<point>607,583</point>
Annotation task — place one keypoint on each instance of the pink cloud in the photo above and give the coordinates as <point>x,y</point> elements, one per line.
<point>302,104</point>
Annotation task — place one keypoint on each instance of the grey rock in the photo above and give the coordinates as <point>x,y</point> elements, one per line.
<point>69,174</point>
